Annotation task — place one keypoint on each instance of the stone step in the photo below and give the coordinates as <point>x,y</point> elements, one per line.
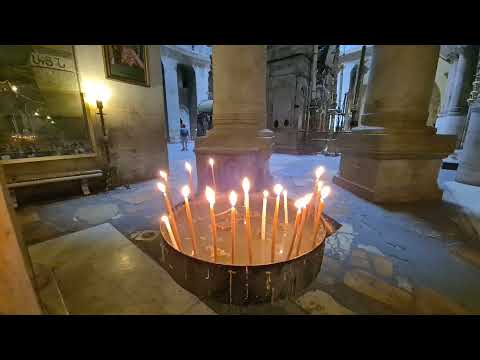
<point>48,291</point>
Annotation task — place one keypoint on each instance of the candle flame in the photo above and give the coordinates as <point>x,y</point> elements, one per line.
<point>188,167</point>
<point>277,189</point>
<point>265,193</point>
<point>211,162</point>
<point>233,198</point>
<point>299,203</point>
<point>319,171</point>
<point>246,184</point>
<point>284,193</point>
<point>164,218</point>
<point>319,185</point>
<point>163,175</point>
<point>325,192</point>
<point>185,191</point>
<point>161,186</point>
<point>210,195</point>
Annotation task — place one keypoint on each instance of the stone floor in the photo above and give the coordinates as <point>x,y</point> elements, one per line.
<point>402,259</point>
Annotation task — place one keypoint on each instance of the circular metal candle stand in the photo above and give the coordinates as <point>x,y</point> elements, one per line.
<point>243,284</point>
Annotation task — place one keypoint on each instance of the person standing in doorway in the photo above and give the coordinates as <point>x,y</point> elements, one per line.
<point>184,137</point>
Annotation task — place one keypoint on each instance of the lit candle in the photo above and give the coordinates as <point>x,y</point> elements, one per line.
<point>211,162</point>
<point>161,186</point>
<point>299,205</point>
<point>164,218</point>
<point>318,172</point>
<point>277,189</point>
<point>307,200</point>
<point>317,198</point>
<point>264,214</point>
<point>233,222</point>
<point>248,228</point>
<point>164,176</point>
<point>285,206</point>
<point>188,167</point>
<point>210,195</point>
<point>186,193</point>
<point>325,192</point>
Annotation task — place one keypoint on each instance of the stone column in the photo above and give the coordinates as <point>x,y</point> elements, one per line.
<point>469,160</point>
<point>394,156</point>
<point>171,93</point>
<point>452,118</point>
<point>239,142</point>
<point>17,293</point>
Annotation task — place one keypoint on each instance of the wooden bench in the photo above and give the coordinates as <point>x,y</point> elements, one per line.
<point>32,180</point>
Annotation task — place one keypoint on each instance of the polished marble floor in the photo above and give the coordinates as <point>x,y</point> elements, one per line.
<point>402,259</point>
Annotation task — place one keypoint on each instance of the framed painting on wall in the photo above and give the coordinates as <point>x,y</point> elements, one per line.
<point>128,63</point>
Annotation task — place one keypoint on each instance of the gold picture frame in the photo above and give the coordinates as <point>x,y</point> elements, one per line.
<point>127,63</point>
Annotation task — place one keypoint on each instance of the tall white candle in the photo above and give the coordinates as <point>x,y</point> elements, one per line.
<point>233,223</point>
<point>165,220</point>
<point>307,200</point>
<point>299,205</point>
<point>264,214</point>
<point>248,228</point>
<point>168,205</point>
<point>277,189</point>
<point>325,192</point>
<point>210,195</point>
<point>285,207</point>
<point>186,193</point>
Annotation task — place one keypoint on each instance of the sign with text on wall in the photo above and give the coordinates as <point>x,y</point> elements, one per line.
<point>51,62</point>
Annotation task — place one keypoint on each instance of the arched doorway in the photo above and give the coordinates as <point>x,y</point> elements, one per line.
<point>185,116</point>
<point>187,96</point>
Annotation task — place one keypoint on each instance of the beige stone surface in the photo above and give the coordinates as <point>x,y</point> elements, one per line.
<point>27,215</point>
<point>199,309</point>
<point>429,302</point>
<point>96,214</point>
<point>360,262</point>
<point>383,266</point>
<point>99,271</point>
<point>376,288</point>
<point>318,302</point>
<point>331,265</point>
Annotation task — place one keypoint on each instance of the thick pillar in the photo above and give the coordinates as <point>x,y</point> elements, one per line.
<point>17,294</point>
<point>469,160</point>
<point>171,93</point>
<point>239,142</point>
<point>394,156</point>
<point>452,118</point>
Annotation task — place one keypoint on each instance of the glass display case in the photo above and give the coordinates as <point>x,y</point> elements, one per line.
<point>42,113</point>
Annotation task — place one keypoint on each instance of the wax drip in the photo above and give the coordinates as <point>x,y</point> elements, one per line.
<point>269,281</point>
<point>208,274</point>
<point>246,281</point>
<point>231,272</point>
<point>163,252</point>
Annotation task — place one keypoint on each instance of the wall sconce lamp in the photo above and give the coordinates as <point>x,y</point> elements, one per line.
<point>97,95</point>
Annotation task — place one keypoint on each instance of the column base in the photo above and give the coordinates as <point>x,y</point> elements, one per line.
<point>389,181</point>
<point>451,124</point>
<point>237,154</point>
<point>392,167</point>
